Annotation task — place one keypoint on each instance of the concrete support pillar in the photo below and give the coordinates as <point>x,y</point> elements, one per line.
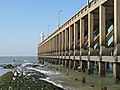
<point>102,21</point>
<point>57,61</point>
<point>75,37</point>
<point>63,62</point>
<point>90,32</point>
<point>107,65</point>
<point>71,64</point>
<point>70,37</point>
<point>52,46</point>
<point>83,66</point>
<point>66,39</point>
<point>117,27</point>
<point>90,67</point>
<point>67,63</point>
<point>53,61</point>
<point>70,40</point>
<point>102,70</point>
<point>76,64</point>
<point>63,42</point>
<point>81,35</point>
<point>59,43</point>
<point>116,70</point>
<point>55,45</point>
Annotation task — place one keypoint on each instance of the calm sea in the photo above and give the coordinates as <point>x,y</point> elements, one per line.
<point>16,60</point>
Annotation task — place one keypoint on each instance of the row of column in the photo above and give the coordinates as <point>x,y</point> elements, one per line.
<point>87,66</point>
<point>68,38</point>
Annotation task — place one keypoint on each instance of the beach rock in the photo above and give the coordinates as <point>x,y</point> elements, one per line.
<point>92,85</point>
<point>9,66</point>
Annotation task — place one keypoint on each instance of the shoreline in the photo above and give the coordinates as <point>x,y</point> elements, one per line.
<point>72,79</point>
<point>41,84</point>
<point>30,81</point>
<point>69,79</point>
<point>4,71</point>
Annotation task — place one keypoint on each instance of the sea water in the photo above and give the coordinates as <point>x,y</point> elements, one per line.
<point>16,60</point>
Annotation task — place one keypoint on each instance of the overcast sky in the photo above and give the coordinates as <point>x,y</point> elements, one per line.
<point>22,21</point>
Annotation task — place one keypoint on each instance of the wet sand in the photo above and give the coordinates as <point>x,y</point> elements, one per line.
<point>72,80</point>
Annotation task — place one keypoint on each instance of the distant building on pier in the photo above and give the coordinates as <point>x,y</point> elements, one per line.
<point>42,36</point>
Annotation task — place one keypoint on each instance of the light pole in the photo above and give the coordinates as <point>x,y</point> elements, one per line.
<point>59,18</point>
<point>48,29</point>
<point>88,4</point>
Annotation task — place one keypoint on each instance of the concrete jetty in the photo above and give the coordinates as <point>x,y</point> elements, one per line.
<point>89,38</point>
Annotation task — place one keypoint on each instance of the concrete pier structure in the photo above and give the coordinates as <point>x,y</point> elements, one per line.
<point>91,35</point>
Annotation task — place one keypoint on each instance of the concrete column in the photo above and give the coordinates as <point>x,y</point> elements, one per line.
<point>107,66</point>
<point>67,63</point>
<point>52,46</point>
<point>81,35</point>
<point>90,32</point>
<point>60,61</point>
<point>56,44</point>
<point>83,66</point>
<point>71,64</point>
<point>90,67</point>
<point>117,27</point>
<point>80,68</point>
<point>102,70</point>
<point>70,37</point>
<point>63,63</point>
<point>53,60</point>
<point>62,43</point>
<point>49,47</point>
<point>57,62</point>
<point>75,35</point>
<point>76,64</point>
<point>116,70</point>
<point>59,44</point>
<point>102,20</point>
<point>66,40</point>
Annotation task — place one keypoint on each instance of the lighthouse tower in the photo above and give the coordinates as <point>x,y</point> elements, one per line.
<point>41,36</point>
